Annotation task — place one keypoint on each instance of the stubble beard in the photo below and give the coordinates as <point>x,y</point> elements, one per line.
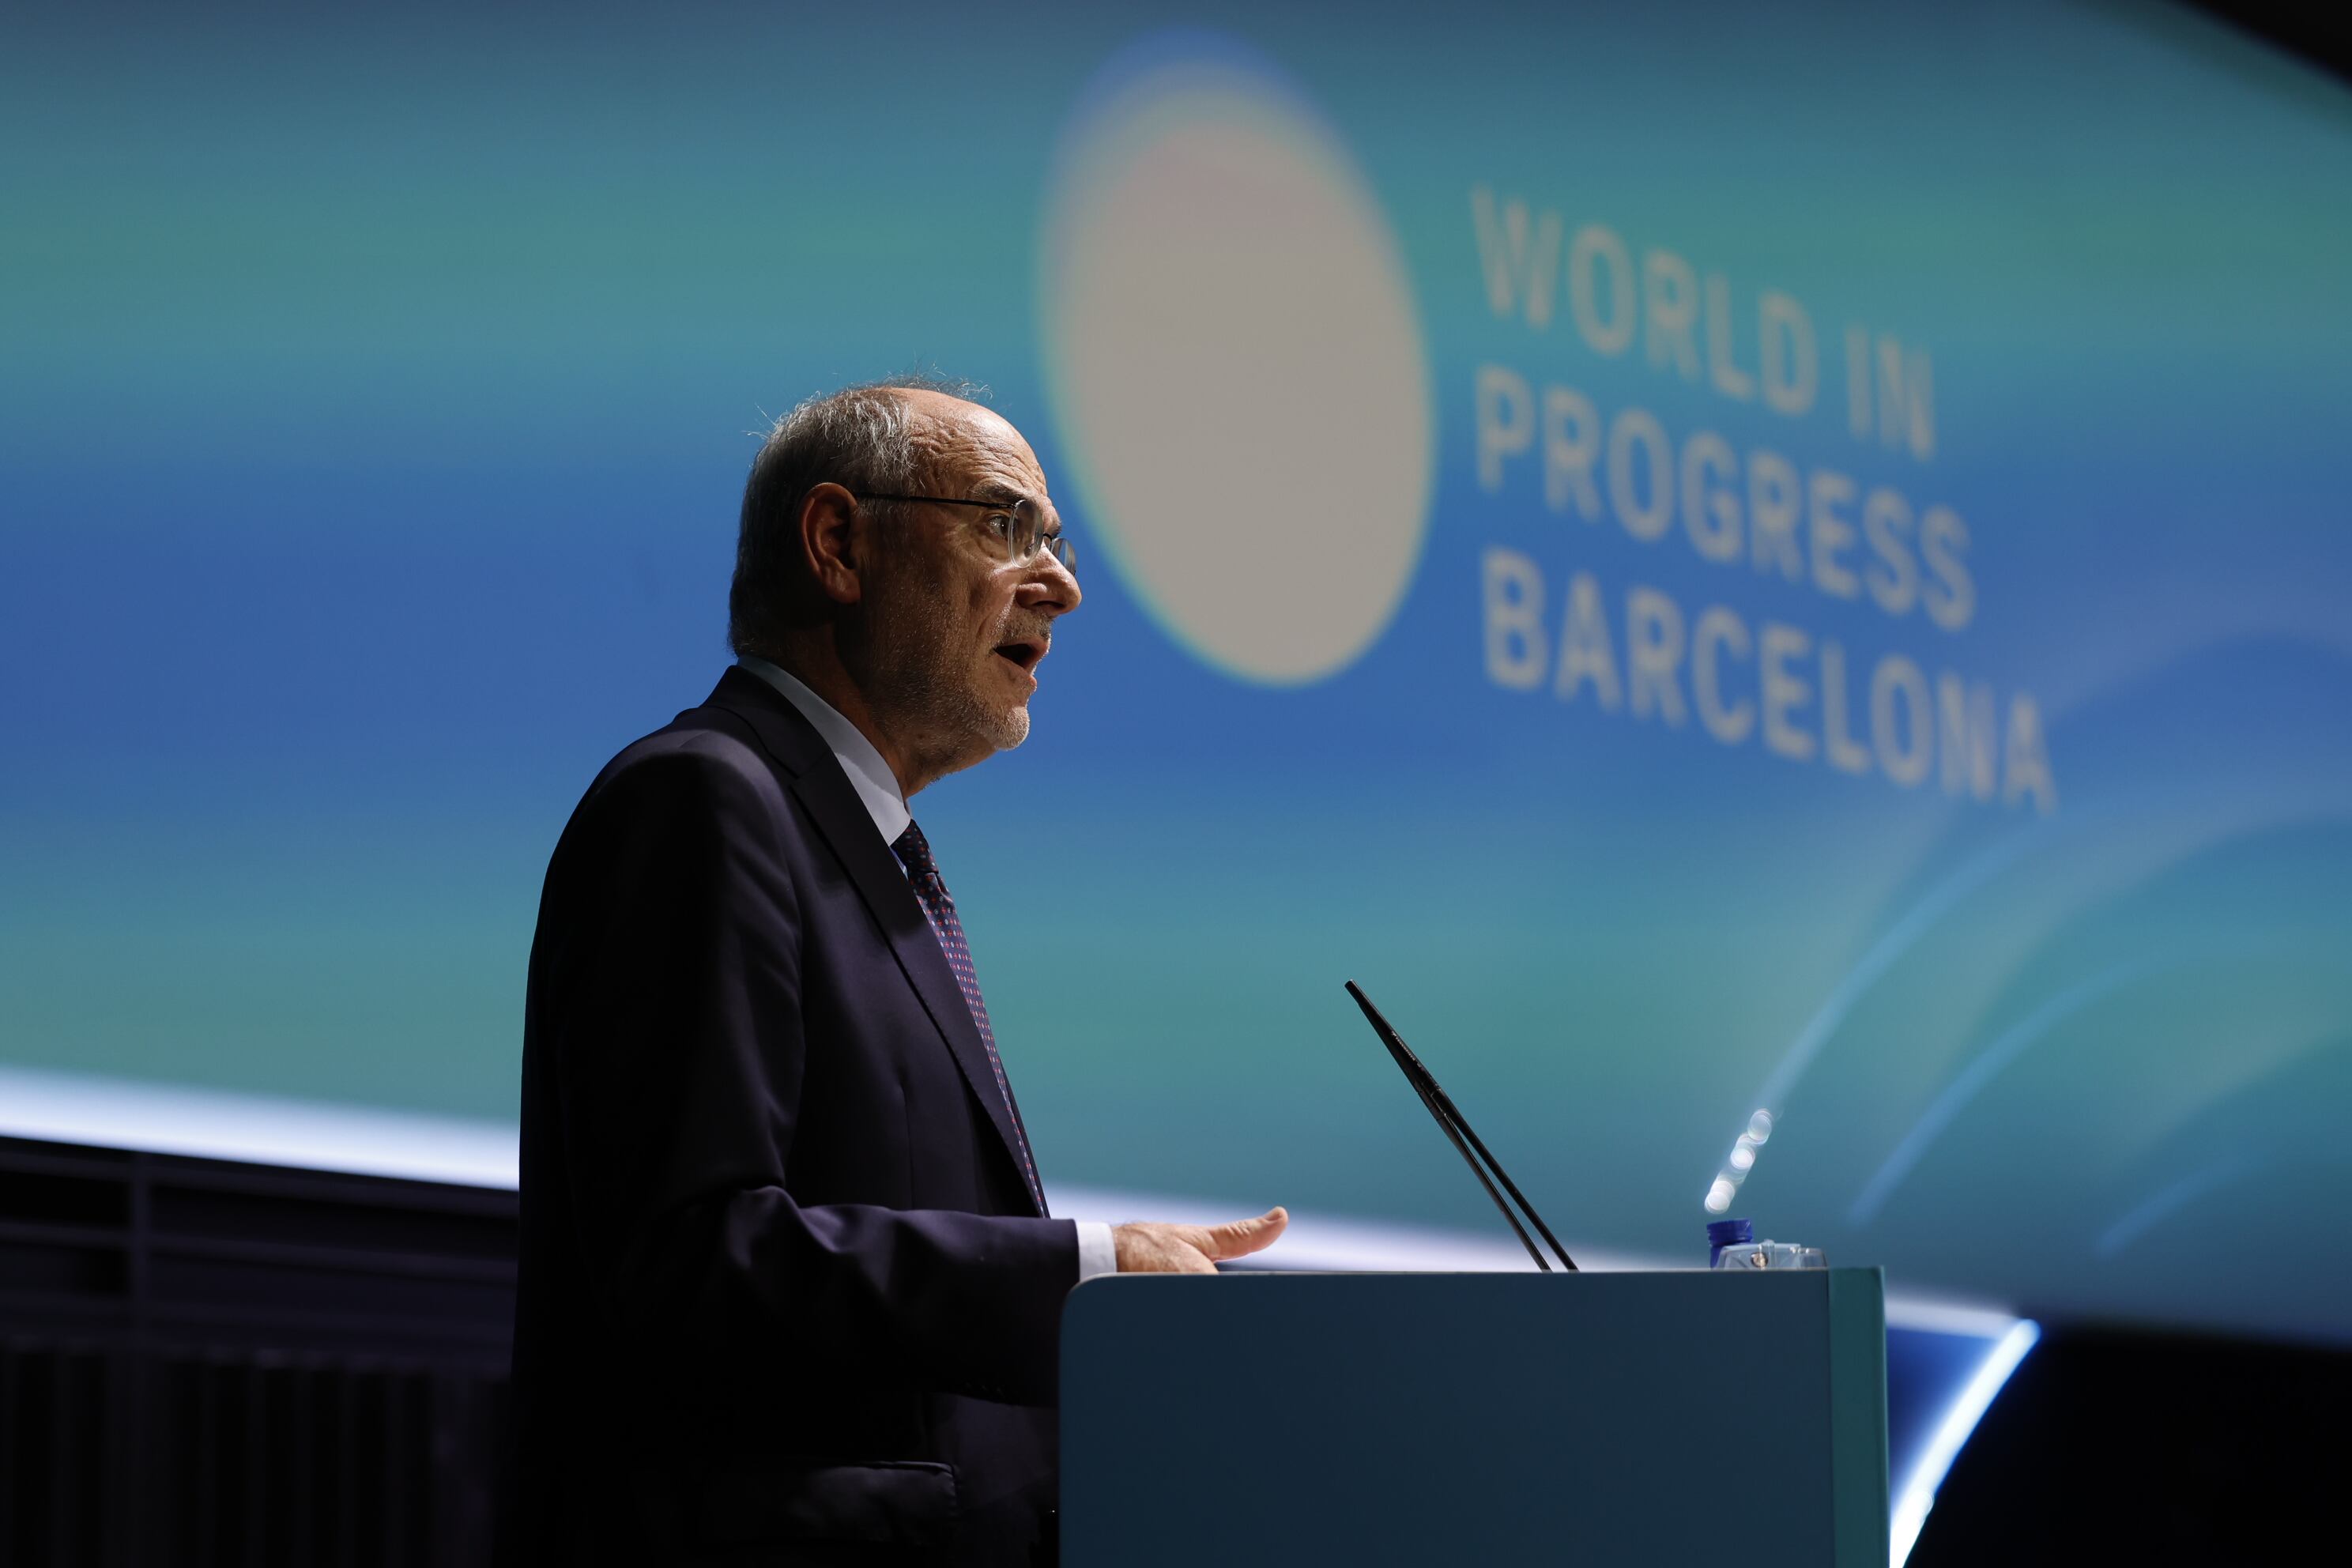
<point>920,675</point>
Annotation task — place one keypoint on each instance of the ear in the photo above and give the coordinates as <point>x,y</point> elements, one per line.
<point>832,544</point>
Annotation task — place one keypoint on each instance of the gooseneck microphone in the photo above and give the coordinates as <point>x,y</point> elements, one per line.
<point>1450,1121</point>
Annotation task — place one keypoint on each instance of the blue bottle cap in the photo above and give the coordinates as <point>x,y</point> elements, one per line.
<point>1723,1232</point>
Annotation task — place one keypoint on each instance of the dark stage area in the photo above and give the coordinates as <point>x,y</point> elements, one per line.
<point>2119,1446</point>
<point>205,1363</point>
<point>208,1362</point>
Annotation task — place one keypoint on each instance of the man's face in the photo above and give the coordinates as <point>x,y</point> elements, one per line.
<point>954,629</point>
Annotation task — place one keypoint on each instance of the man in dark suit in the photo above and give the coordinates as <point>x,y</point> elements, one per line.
<point>789,1290</point>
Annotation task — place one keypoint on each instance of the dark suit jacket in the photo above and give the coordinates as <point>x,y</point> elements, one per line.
<point>784,1295</point>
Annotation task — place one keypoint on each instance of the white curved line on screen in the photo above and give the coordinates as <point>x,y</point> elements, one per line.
<point>1899,939</point>
<point>317,1135</point>
<point>1987,1064</point>
<point>1917,1493</point>
<point>222,1124</point>
<point>2168,1200</point>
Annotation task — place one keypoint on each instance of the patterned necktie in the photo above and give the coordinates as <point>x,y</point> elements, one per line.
<point>914,852</point>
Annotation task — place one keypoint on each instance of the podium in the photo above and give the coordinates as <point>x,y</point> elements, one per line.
<point>1654,1419</point>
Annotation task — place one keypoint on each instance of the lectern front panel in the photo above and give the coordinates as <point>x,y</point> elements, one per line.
<point>1663,1418</point>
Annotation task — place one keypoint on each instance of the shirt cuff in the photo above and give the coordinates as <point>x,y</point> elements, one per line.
<point>1097,1253</point>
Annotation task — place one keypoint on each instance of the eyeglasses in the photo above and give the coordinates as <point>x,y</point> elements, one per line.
<point>1017,526</point>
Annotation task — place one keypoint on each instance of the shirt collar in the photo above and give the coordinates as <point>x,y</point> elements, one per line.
<point>869,776</point>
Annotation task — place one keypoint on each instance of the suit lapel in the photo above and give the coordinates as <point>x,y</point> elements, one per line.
<point>816,778</point>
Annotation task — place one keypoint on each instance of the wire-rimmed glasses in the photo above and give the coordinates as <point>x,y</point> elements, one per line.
<point>1018,526</point>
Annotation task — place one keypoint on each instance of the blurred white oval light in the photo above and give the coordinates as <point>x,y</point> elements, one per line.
<point>1760,1126</point>
<point>1742,1156</point>
<point>1234,363</point>
<point>1719,1196</point>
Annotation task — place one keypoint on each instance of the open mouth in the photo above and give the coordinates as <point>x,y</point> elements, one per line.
<point>1025,653</point>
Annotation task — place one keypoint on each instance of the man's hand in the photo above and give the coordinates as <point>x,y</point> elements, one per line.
<point>1147,1248</point>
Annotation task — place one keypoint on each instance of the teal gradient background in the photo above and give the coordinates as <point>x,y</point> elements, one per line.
<point>379,390</point>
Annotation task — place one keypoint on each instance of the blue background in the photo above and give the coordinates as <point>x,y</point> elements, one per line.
<point>379,389</point>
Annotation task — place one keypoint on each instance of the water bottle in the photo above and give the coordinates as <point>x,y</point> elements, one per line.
<point>1732,1244</point>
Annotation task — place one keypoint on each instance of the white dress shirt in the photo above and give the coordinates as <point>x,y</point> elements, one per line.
<point>877,790</point>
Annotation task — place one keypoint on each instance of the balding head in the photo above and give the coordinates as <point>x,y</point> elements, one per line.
<point>882,438</point>
<point>921,618</point>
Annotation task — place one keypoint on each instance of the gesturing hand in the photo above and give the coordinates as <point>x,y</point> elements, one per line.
<point>1149,1249</point>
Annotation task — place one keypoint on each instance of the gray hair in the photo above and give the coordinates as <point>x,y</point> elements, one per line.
<point>862,438</point>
